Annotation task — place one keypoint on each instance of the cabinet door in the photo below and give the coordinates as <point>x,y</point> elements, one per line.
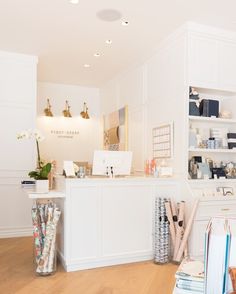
<point>197,239</point>
<point>83,224</point>
<point>126,220</point>
<point>203,62</point>
<point>227,65</point>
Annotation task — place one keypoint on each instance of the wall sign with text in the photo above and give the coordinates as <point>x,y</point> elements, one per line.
<point>65,134</point>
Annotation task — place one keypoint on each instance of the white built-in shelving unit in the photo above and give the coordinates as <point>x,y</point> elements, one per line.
<point>211,70</point>
<point>207,62</point>
<point>227,101</point>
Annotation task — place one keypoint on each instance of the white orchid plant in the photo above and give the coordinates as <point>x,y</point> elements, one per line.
<point>42,170</point>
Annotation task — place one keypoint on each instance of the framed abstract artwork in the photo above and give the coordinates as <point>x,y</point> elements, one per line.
<point>115,131</point>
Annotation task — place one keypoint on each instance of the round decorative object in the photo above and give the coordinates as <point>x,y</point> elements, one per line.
<point>109,15</point>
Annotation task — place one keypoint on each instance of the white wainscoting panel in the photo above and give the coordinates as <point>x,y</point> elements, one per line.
<point>17,112</point>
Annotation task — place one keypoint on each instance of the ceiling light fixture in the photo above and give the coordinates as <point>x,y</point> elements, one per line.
<point>66,111</point>
<point>84,113</point>
<point>86,65</point>
<point>97,55</point>
<point>109,41</point>
<point>47,110</point>
<point>74,1</point>
<point>125,23</point>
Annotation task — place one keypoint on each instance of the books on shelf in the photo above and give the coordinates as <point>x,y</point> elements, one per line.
<point>27,183</point>
<point>220,255</point>
<point>190,277</point>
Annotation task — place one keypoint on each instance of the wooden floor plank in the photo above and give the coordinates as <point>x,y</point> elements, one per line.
<point>17,275</point>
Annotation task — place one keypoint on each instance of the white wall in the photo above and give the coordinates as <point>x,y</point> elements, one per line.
<point>80,147</point>
<point>129,89</point>
<point>150,90</point>
<point>17,112</point>
<point>166,84</point>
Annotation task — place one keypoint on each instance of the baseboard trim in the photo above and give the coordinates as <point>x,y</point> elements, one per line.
<point>77,265</point>
<point>16,232</point>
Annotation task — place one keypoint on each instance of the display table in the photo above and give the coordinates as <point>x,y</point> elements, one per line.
<point>108,221</point>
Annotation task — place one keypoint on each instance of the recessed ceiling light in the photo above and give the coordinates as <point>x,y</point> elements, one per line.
<point>109,41</point>
<point>125,23</point>
<point>96,54</point>
<point>86,65</point>
<point>74,1</point>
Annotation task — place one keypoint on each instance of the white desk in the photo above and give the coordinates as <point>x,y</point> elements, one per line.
<point>108,221</point>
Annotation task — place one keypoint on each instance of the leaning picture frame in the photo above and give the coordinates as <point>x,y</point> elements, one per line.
<point>163,140</point>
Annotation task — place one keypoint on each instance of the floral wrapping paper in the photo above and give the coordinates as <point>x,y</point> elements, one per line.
<point>45,218</point>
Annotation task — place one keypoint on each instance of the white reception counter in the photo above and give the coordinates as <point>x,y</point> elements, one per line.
<point>108,221</point>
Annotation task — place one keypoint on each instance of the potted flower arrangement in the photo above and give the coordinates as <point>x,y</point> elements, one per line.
<point>40,174</point>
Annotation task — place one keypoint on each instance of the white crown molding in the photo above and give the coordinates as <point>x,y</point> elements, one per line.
<point>210,32</point>
<point>17,57</point>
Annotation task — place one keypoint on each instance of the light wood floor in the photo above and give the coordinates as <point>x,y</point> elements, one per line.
<point>17,275</point>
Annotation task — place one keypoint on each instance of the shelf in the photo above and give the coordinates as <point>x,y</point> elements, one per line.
<point>218,198</point>
<point>51,194</point>
<point>202,150</point>
<point>212,119</point>
<point>211,181</point>
<point>214,91</point>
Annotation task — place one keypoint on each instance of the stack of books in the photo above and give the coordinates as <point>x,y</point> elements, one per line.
<point>27,184</point>
<point>190,277</point>
<point>218,274</point>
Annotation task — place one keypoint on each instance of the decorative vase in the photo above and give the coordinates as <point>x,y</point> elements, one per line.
<point>42,186</point>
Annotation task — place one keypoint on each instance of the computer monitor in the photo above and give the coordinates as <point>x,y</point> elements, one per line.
<point>120,161</point>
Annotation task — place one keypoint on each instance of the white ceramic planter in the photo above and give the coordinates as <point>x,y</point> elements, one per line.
<point>42,186</point>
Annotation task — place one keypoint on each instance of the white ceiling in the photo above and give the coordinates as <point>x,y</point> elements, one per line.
<point>65,36</point>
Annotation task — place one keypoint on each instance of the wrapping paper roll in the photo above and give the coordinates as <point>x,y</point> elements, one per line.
<point>45,218</point>
<point>170,219</point>
<point>161,232</point>
<point>180,228</point>
<point>174,214</point>
<point>187,232</point>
